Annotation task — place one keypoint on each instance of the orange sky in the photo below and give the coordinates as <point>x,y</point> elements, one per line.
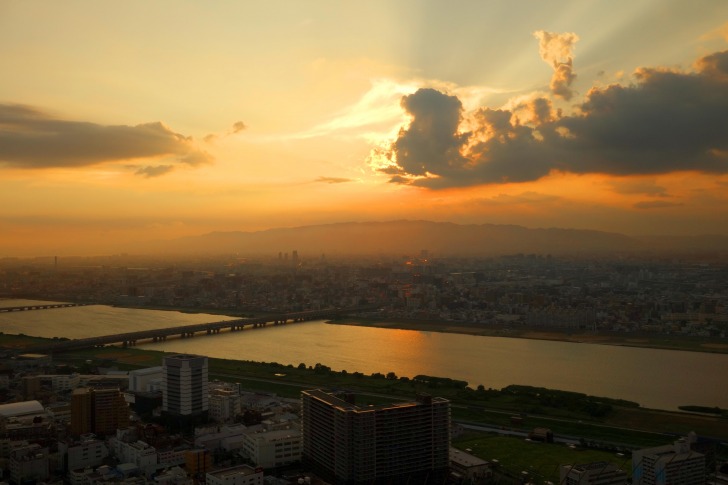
<point>125,123</point>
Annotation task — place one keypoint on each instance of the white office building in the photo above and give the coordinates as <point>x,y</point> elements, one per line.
<point>274,448</point>
<point>145,380</point>
<point>184,385</point>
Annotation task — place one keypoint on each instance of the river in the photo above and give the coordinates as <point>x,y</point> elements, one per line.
<point>655,378</point>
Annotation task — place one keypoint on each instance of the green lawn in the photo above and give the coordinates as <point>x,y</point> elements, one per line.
<point>540,460</point>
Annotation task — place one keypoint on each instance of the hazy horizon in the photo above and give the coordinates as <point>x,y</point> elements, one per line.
<point>134,122</point>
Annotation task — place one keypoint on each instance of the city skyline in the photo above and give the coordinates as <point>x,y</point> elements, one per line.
<point>134,122</point>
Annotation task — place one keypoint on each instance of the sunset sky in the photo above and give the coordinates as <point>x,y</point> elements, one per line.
<point>130,121</point>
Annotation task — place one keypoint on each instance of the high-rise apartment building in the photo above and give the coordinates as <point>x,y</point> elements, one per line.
<point>100,411</point>
<point>395,443</point>
<point>674,464</point>
<point>184,385</point>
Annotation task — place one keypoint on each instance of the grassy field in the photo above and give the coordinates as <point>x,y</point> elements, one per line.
<point>539,460</point>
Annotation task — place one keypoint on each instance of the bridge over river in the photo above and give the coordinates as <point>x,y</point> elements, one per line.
<point>38,306</point>
<point>187,331</point>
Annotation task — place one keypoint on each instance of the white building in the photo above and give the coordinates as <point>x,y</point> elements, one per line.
<point>141,454</point>
<point>173,476</point>
<point>146,380</point>
<point>216,437</point>
<point>273,448</point>
<point>62,382</point>
<point>239,475</point>
<point>83,454</point>
<point>29,463</point>
<point>674,464</point>
<point>184,385</point>
<point>224,405</point>
<point>596,473</point>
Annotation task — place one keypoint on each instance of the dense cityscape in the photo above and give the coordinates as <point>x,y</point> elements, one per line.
<point>403,242</point>
<point>687,296</point>
<point>64,421</point>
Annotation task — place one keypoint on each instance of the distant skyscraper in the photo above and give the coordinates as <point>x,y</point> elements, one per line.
<point>184,385</point>
<point>395,443</point>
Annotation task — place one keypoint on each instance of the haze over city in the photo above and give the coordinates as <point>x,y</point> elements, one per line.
<point>132,122</point>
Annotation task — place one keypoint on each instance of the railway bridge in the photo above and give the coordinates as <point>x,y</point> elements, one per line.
<point>38,306</point>
<point>186,331</point>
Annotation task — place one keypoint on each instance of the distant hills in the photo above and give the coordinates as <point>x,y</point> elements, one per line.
<point>441,238</point>
<point>404,237</point>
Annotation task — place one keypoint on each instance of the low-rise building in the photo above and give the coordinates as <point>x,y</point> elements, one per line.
<point>596,473</point>
<point>88,452</point>
<point>239,475</point>
<point>29,463</point>
<point>674,464</point>
<point>468,468</point>
<point>274,448</point>
<point>139,453</point>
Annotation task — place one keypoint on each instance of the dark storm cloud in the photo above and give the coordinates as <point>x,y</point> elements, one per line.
<point>30,138</point>
<point>666,121</point>
<point>431,144</point>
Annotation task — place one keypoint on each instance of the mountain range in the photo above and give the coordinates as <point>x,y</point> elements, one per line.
<point>409,237</point>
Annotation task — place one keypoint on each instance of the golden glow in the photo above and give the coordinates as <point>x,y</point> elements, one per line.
<point>317,88</point>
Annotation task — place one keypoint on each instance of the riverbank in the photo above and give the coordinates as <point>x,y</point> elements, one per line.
<point>624,424</point>
<point>643,339</point>
<point>632,339</point>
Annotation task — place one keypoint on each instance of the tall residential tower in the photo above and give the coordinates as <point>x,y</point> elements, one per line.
<point>394,443</point>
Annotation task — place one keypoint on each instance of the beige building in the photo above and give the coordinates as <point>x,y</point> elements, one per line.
<point>274,448</point>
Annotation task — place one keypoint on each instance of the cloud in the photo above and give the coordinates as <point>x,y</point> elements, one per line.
<point>557,51</point>
<point>431,145</point>
<point>665,121</point>
<point>333,180</point>
<point>633,187</point>
<point>720,33</point>
<point>524,198</point>
<point>237,127</point>
<point>31,138</point>
<point>156,171</point>
<point>655,204</point>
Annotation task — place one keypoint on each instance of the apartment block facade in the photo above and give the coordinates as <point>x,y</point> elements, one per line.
<point>394,443</point>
